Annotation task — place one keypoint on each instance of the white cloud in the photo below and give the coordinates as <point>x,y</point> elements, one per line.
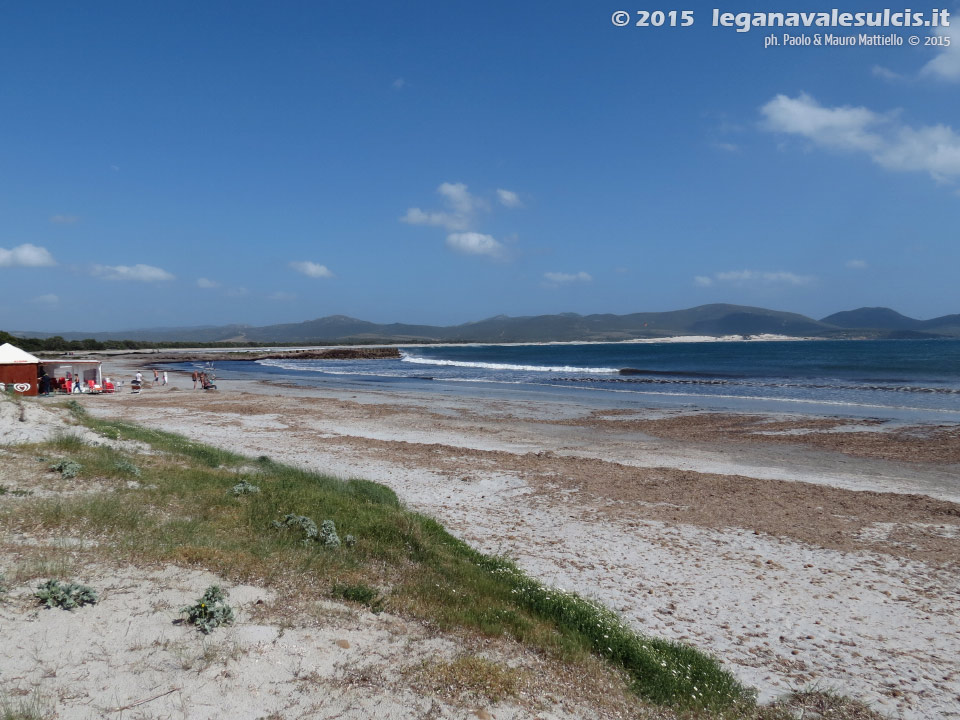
<point>559,278</point>
<point>856,264</point>
<point>64,219</point>
<point>459,219</point>
<point>26,255</point>
<point>753,277</point>
<point>840,127</point>
<point>508,198</point>
<point>207,284</point>
<point>237,292</point>
<point>137,273</point>
<point>311,269</point>
<point>460,199</point>
<point>727,147</point>
<point>462,208</point>
<point>281,296</point>
<point>448,221</point>
<point>885,73</point>
<point>398,84</point>
<point>934,149</point>
<point>946,64</point>
<point>473,243</point>
<point>48,299</point>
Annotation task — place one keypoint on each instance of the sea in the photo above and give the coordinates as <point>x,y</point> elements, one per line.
<point>904,380</point>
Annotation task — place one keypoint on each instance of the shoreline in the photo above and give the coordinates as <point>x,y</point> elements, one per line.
<point>693,530</point>
<point>608,395</point>
<point>760,337</point>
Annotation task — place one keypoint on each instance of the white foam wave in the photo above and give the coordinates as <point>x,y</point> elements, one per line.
<point>303,366</point>
<point>506,366</point>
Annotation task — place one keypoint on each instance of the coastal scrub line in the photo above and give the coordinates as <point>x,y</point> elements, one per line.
<point>183,511</point>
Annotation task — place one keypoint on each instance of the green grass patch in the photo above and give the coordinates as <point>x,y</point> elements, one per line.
<point>359,593</point>
<point>67,442</point>
<point>31,707</point>
<point>183,510</point>
<point>16,492</point>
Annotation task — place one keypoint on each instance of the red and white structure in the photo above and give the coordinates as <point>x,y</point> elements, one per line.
<point>19,370</point>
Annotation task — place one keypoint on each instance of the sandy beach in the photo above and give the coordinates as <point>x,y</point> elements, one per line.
<point>804,552</point>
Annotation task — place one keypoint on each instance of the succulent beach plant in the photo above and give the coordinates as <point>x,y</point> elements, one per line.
<point>67,468</point>
<point>244,488</point>
<point>126,467</point>
<point>326,534</point>
<point>210,611</point>
<point>306,525</point>
<point>53,593</point>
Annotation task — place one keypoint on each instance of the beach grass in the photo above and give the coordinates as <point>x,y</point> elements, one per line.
<point>180,509</point>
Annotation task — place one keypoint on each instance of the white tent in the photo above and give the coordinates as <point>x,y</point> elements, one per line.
<point>18,370</point>
<point>12,355</point>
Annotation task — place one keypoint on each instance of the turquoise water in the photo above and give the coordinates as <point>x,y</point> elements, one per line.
<point>917,380</point>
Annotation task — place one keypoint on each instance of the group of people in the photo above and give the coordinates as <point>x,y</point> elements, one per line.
<point>206,382</point>
<point>71,383</point>
<point>156,377</point>
<point>199,376</point>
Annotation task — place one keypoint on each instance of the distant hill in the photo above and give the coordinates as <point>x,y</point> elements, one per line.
<point>716,319</point>
<point>881,318</point>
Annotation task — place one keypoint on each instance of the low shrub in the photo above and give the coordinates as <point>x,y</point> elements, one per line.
<point>210,611</point>
<point>126,467</point>
<point>299,522</point>
<point>244,488</point>
<point>328,534</point>
<point>69,596</point>
<point>67,468</point>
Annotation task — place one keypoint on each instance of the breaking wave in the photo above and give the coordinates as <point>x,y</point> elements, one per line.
<point>507,366</point>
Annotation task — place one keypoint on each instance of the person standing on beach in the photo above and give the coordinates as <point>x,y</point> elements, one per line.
<point>196,376</point>
<point>164,377</point>
<point>139,377</point>
<point>156,377</point>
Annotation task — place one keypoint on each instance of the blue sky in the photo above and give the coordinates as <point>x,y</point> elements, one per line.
<point>175,164</point>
